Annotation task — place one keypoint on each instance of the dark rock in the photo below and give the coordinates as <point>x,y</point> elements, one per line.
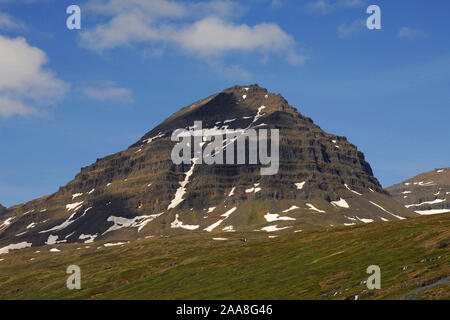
<point>133,188</point>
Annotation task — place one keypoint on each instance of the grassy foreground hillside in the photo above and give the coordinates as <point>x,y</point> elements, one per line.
<point>326,264</point>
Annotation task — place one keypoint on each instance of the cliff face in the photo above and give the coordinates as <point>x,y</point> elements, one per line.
<point>426,193</point>
<point>322,180</point>
<point>2,209</point>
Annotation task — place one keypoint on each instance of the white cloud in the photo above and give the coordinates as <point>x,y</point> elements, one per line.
<point>107,91</point>
<point>24,83</point>
<point>212,36</point>
<point>8,22</point>
<point>10,106</point>
<point>327,6</point>
<point>348,30</point>
<point>219,8</point>
<point>205,29</point>
<point>410,33</point>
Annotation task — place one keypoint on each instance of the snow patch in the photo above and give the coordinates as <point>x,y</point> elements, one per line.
<point>254,189</point>
<point>178,224</point>
<point>229,212</point>
<point>67,222</point>
<point>432,211</point>
<point>6,223</point>
<point>136,222</point>
<point>17,246</point>
<point>74,206</point>
<point>377,205</point>
<point>365,220</point>
<point>258,114</point>
<point>276,217</point>
<point>290,209</point>
<point>88,237</point>
<point>311,207</point>
<point>215,225</point>
<point>340,203</point>
<point>159,135</point>
<point>300,185</point>
<point>229,229</point>
<point>427,202</point>
<point>51,239</point>
<point>273,228</point>
<point>182,189</point>
<point>348,188</point>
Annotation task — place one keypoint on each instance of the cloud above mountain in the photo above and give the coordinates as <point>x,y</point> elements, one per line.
<point>26,86</point>
<point>203,29</point>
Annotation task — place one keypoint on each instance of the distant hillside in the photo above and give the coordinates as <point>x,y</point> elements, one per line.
<point>426,193</point>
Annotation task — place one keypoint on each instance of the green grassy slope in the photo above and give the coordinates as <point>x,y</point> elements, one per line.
<point>326,264</point>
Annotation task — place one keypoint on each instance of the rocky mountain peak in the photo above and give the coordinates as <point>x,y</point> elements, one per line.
<point>323,180</point>
<point>235,107</point>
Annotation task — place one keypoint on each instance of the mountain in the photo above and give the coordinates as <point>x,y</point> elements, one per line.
<point>322,181</point>
<point>2,209</point>
<point>426,193</point>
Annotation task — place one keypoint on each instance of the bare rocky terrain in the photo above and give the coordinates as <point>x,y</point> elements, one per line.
<point>426,193</point>
<point>323,181</point>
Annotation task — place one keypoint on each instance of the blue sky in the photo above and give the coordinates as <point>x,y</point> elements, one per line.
<point>68,97</point>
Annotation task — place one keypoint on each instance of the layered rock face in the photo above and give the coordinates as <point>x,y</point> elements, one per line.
<point>322,181</point>
<point>426,193</point>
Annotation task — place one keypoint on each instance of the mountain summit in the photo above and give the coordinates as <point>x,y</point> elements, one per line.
<point>322,181</point>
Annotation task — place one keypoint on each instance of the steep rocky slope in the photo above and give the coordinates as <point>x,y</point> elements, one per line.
<point>426,193</point>
<point>323,180</point>
<point>2,209</point>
